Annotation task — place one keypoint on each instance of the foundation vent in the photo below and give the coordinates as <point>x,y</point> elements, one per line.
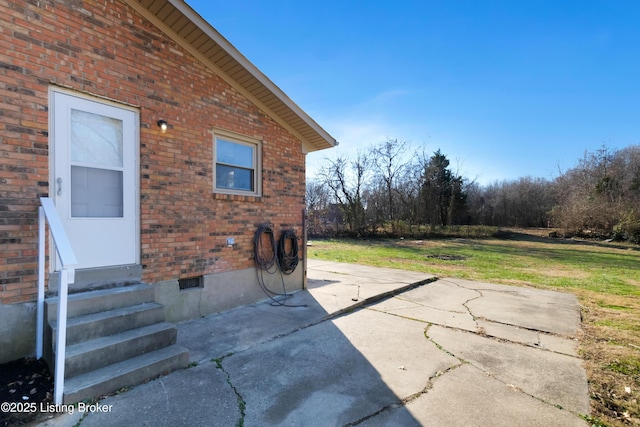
<point>191,282</point>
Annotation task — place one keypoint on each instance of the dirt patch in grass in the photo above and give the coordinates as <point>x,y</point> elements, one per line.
<point>435,267</point>
<point>558,272</point>
<point>633,282</point>
<point>447,257</point>
<point>518,282</point>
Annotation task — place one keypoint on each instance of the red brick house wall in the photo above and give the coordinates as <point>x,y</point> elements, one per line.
<point>105,49</point>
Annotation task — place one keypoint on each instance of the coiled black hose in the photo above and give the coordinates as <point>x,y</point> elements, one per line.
<point>288,260</point>
<point>265,258</point>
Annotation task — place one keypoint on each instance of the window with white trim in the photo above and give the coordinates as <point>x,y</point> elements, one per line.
<point>236,164</point>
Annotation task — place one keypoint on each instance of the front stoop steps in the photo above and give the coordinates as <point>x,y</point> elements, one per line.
<point>116,338</point>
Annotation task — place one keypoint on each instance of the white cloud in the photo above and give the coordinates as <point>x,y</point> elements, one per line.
<point>352,135</point>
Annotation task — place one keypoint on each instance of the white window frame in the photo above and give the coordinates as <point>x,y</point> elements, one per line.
<point>256,146</point>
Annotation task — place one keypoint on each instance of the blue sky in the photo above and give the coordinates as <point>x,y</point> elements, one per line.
<point>505,89</point>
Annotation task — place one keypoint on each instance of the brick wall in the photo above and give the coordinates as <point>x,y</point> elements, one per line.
<point>105,49</point>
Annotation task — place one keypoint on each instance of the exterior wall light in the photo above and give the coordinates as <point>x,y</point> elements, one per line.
<point>162,124</point>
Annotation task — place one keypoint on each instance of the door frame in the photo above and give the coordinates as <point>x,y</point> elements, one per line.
<point>54,264</point>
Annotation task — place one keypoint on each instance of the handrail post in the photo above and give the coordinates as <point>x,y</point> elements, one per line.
<point>68,261</point>
<point>66,275</point>
<point>40,301</point>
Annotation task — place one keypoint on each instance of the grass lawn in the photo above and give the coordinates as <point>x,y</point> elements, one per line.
<point>604,276</point>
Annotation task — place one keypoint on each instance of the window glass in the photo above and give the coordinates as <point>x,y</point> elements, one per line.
<point>96,193</point>
<point>235,154</point>
<point>235,165</point>
<point>230,177</point>
<point>96,139</point>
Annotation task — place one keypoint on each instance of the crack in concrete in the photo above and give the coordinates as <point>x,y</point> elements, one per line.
<point>396,315</point>
<point>397,404</point>
<point>538,344</point>
<point>473,316</point>
<point>428,306</point>
<point>408,399</point>
<point>481,332</point>
<point>166,396</point>
<point>242,405</point>
<point>488,374</point>
<point>479,329</point>
<point>332,316</point>
<point>464,304</point>
<point>405,400</point>
<point>431,380</point>
<point>525,328</point>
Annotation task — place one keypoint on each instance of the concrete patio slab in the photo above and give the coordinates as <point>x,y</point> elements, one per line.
<point>467,397</point>
<point>549,311</point>
<point>375,347</point>
<point>355,365</point>
<point>556,379</point>
<point>390,275</point>
<point>396,348</point>
<point>196,396</point>
<point>236,330</point>
<point>403,307</point>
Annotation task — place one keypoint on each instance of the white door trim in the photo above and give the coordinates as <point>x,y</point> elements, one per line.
<point>132,138</point>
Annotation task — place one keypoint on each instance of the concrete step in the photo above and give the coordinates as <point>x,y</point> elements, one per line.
<point>93,354</point>
<point>116,337</point>
<point>84,303</point>
<point>136,370</point>
<point>96,325</point>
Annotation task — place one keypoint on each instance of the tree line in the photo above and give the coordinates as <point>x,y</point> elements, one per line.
<point>389,190</point>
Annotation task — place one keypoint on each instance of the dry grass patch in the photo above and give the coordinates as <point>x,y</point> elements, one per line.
<point>610,348</point>
<point>559,272</point>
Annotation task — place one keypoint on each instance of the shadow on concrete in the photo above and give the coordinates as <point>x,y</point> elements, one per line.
<point>290,366</point>
<point>260,365</point>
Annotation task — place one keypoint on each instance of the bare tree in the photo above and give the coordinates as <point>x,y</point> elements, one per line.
<point>321,219</point>
<point>317,197</point>
<point>601,194</point>
<point>346,180</point>
<point>387,157</point>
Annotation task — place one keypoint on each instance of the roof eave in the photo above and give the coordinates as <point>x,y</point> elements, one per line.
<point>166,14</point>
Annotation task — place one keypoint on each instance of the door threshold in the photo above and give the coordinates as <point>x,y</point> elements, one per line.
<point>89,279</point>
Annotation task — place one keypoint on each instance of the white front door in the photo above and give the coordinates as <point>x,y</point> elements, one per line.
<point>95,181</point>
